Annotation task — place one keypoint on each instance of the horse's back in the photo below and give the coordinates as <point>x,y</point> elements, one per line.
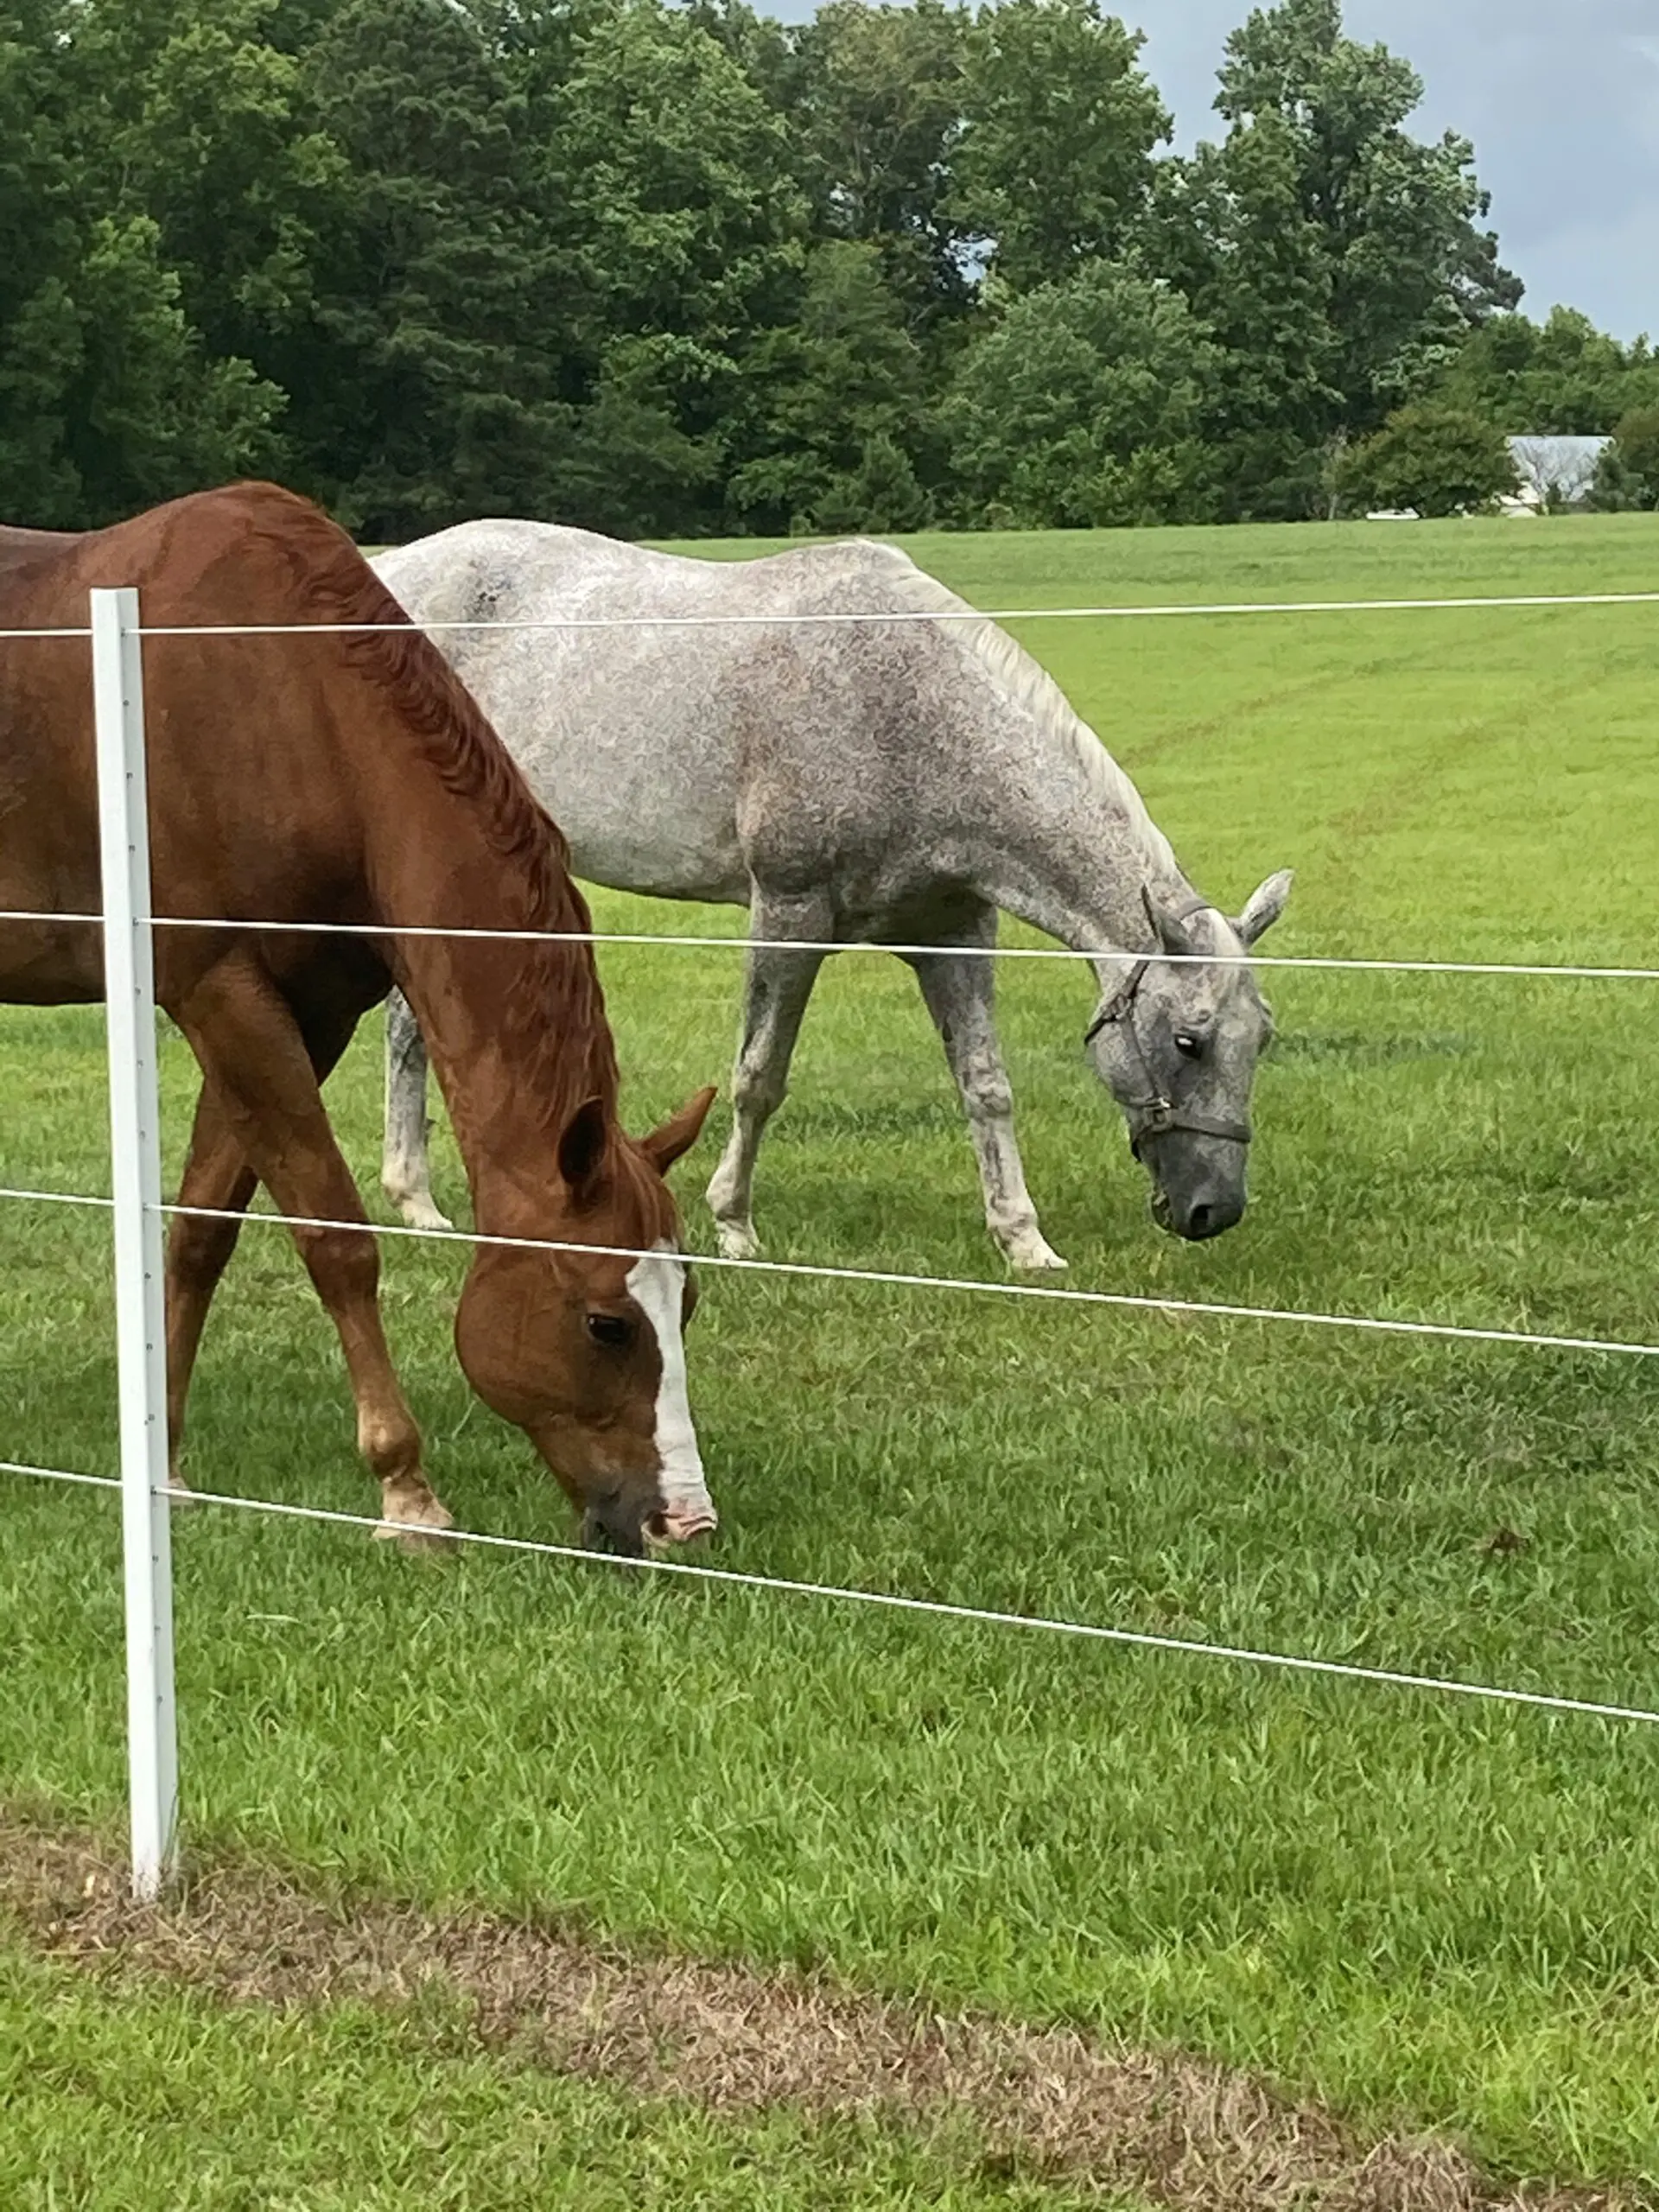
<point>675,713</point>
<point>255,804</point>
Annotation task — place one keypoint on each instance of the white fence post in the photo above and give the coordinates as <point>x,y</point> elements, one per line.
<point>135,1170</point>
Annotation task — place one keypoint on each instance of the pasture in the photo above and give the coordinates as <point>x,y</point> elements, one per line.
<point>1430,1914</point>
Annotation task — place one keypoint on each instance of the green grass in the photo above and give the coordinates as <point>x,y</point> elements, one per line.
<point>1425,1910</point>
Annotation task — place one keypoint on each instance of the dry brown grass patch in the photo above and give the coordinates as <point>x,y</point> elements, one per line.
<point>1194,2137</point>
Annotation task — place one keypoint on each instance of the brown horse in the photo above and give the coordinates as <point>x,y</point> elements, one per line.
<point>350,779</point>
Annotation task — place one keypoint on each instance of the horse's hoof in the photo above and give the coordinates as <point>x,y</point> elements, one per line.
<point>179,1491</point>
<point>1033,1254</point>
<point>421,1213</point>
<point>416,1527</point>
<point>737,1240</point>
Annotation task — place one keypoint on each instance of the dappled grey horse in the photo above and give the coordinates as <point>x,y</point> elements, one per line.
<point>847,781</point>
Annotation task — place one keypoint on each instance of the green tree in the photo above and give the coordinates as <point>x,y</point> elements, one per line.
<point>874,104</point>
<point>206,128</point>
<point>1561,377</point>
<point>839,404</point>
<point>1440,459</point>
<point>673,183</point>
<point>1054,164</point>
<point>1080,407</point>
<point>430,386</point>
<point>1340,260</point>
<point>1627,475</point>
<point>110,399</point>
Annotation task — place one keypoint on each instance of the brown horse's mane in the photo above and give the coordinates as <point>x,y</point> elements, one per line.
<point>337,585</point>
<point>334,583</point>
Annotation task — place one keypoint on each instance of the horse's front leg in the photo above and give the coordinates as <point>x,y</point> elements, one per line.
<point>960,992</point>
<point>405,1161</point>
<point>777,984</point>
<point>255,1057</point>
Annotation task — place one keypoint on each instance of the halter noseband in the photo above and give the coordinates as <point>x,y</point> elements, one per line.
<point>1156,1115</point>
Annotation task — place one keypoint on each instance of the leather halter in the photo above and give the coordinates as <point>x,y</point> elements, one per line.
<point>1156,1115</point>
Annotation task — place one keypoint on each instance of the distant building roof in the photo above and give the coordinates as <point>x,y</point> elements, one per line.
<point>1566,466</point>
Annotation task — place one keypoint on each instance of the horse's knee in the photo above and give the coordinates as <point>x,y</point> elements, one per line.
<point>344,1263</point>
<point>197,1251</point>
<point>987,1093</point>
<point>758,1092</point>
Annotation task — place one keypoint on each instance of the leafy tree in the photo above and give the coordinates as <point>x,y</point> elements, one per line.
<point>839,407</point>
<point>429,390</point>
<point>109,399</point>
<point>1561,377</point>
<point>204,127</point>
<point>1627,475</point>
<point>686,227</point>
<point>1236,235</point>
<point>1440,459</point>
<point>668,265</point>
<point>874,106</point>
<point>1338,260</point>
<point>1080,407</point>
<point>1054,165</point>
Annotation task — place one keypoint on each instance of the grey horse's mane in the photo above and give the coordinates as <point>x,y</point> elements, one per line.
<point>1030,686</point>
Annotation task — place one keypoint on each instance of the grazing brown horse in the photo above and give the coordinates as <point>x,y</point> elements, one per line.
<point>350,779</point>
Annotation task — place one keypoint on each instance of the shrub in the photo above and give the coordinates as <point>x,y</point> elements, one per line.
<point>1440,459</point>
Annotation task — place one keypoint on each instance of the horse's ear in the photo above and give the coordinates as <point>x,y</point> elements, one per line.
<point>679,1132</point>
<point>1169,932</point>
<point>582,1147</point>
<point>1264,906</point>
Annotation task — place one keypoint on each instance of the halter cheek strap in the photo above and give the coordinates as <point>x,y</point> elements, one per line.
<point>1156,1115</point>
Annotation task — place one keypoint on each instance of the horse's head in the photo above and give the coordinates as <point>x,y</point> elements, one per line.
<point>587,1353</point>
<point>1176,1041</point>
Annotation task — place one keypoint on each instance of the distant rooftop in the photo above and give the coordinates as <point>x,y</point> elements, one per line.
<point>1566,466</point>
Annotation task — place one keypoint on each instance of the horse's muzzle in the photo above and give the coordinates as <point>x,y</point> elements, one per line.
<point>1197,1222</point>
<point>614,1524</point>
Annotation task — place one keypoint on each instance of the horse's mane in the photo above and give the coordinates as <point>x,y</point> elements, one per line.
<point>334,583</point>
<point>1026,683</point>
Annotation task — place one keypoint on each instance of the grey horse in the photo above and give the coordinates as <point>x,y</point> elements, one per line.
<point>895,782</point>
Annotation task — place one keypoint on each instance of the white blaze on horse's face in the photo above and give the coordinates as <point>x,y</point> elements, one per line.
<point>656,1286</point>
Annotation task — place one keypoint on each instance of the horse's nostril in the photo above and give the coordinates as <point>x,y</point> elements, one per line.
<point>1198,1221</point>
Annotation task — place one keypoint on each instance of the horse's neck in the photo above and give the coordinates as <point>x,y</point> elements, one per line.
<point>515,1030</point>
<point>1062,843</point>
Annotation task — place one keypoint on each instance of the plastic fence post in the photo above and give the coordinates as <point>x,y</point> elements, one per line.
<point>136,1171</point>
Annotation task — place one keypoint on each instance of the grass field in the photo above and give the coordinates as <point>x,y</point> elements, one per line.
<point>1430,1913</point>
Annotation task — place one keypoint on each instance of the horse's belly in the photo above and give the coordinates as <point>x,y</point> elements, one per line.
<point>658,866</point>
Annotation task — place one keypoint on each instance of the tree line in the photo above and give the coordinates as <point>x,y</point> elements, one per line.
<point>675,270</point>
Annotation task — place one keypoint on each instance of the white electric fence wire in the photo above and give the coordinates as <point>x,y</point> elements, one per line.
<point>933,951</point>
<point>895,1601</point>
<point>906,615</point>
<point>1137,1303</point>
<point>1531,1339</point>
<point>933,615</point>
<point>59,1475</point>
<point>54,1199</point>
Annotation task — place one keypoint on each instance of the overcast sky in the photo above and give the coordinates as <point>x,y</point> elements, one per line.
<point>1560,98</point>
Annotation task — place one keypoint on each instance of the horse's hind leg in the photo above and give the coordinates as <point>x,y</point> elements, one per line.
<point>777,984</point>
<point>199,1249</point>
<point>217,1178</point>
<point>406,1165</point>
<point>256,1059</point>
<point>960,991</point>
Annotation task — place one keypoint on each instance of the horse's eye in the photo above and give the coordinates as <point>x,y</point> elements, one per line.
<point>613,1329</point>
<point>1189,1047</point>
